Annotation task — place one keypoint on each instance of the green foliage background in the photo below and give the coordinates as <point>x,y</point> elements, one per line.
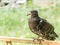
<point>14,23</point>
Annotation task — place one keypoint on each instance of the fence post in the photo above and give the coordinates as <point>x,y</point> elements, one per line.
<point>8,42</point>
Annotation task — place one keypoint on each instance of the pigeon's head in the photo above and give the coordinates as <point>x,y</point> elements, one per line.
<point>33,13</point>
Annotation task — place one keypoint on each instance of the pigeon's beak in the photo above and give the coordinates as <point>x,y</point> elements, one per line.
<point>28,14</point>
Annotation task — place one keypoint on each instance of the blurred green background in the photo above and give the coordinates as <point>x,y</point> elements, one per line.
<point>14,23</point>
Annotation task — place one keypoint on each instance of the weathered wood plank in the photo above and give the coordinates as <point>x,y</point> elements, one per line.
<point>14,39</point>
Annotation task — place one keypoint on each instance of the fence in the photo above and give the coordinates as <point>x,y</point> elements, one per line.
<point>9,40</point>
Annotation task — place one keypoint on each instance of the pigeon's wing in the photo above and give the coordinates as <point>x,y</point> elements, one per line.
<point>47,29</point>
<point>41,23</point>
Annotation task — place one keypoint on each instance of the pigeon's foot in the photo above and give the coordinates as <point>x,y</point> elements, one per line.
<point>38,39</point>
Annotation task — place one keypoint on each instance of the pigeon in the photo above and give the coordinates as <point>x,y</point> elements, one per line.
<point>41,27</point>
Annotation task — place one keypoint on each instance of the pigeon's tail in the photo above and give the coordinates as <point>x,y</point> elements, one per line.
<point>55,34</point>
<point>51,36</point>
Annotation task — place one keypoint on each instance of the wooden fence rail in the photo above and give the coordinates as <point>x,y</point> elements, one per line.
<point>9,40</point>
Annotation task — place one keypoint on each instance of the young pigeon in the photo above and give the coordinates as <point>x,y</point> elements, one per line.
<point>41,27</point>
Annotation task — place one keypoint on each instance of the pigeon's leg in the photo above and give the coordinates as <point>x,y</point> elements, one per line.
<point>38,39</point>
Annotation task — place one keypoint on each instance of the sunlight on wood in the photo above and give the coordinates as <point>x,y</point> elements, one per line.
<point>9,40</point>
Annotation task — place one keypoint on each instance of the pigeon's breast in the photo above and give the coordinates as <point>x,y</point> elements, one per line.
<point>33,23</point>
